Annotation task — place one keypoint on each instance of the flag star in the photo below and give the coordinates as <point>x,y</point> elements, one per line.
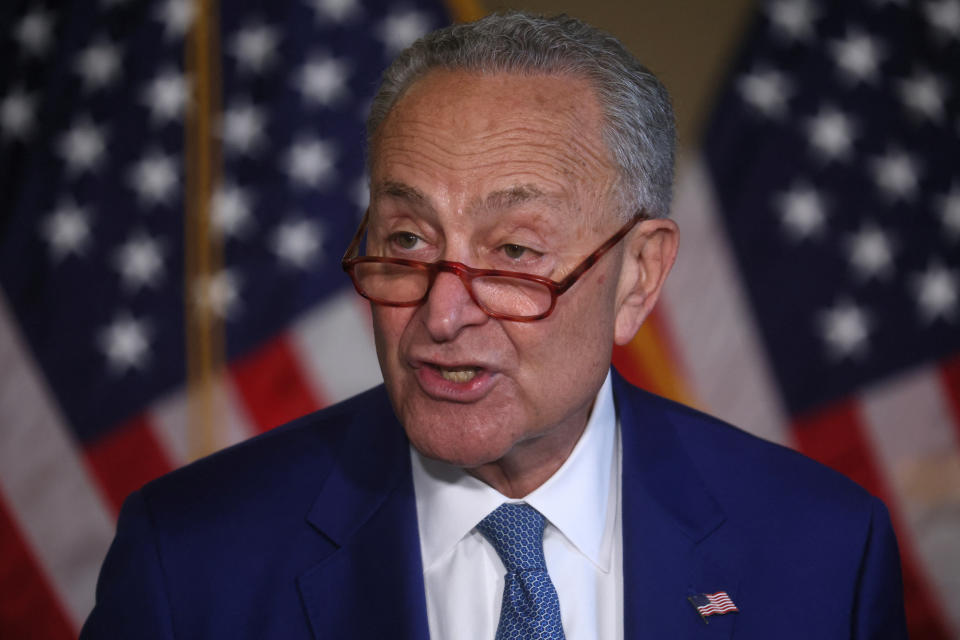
<point>870,252</point>
<point>944,17</point>
<point>845,328</point>
<point>310,162</point>
<point>322,80</point>
<point>82,147</point>
<point>17,115</point>
<point>896,174</point>
<point>802,212</point>
<point>297,243</point>
<point>924,94</point>
<point>126,343</point>
<point>831,134</point>
<point>232,210</point>
<point>767,91</point>
<point>67,230</point>
<point>154,178</point>
<point>242,128</point>
<point>140,262</point>
<point>220,293</point>
<point>936,292</point>
<point>400,29</point>
<point>176,16</point>
<point>255,47</point>
<point>857,56</point>
<point>793,19</point>
<point>949,205</point>
<point>166,96</point>
<point>34,32</point>
<point>99,65</point>
<point>334,10</point>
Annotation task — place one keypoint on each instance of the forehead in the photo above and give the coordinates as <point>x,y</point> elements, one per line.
<point>464,139</point>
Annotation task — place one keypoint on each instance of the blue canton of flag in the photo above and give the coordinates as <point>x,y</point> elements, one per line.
<point>835,158</point>
<point>94,100</point>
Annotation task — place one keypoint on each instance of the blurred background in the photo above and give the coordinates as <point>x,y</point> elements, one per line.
<point>178,180</point>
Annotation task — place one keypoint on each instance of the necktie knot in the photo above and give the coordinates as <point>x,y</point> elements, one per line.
<point>530,608</point>
<point>516,532</point>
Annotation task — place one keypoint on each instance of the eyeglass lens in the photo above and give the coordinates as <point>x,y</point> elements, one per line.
<point>403,284</point>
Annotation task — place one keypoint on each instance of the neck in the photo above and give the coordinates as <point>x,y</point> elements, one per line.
<point>530,463</point>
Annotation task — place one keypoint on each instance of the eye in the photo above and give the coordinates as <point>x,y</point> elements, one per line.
<point>404,239</point>
<point>517,251</point>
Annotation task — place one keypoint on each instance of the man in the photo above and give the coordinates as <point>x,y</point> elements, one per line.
<point>520,178</point>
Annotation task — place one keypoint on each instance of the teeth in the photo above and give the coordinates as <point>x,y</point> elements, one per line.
<point>459,375</point>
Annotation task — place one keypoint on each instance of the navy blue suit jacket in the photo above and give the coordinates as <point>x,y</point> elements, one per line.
<point>310,531</point>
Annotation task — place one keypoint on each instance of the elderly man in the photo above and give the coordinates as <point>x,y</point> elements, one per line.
<point>504,483</point>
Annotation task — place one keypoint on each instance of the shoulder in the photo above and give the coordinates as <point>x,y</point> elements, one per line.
<point>795,535</point>
<point>284,464</point>
<point>746,474</point>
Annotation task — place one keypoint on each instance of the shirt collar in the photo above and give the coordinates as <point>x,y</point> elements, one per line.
<point>575,499</point>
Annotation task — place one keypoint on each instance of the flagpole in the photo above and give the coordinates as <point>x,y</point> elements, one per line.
<point>203,249</point>
<point>465,10</point>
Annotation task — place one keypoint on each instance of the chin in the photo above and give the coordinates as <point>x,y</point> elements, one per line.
<point>457,440</point>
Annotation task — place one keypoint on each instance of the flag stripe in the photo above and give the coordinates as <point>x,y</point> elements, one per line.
<point>836,436</point>
<point>44,481</point>
<point>713,608</point>
<point>170,424</point>
<point>334,347</point>
<point>30,610</point>
<point>914,435</point>
<point>127,458</point>
<point>649,361</point>
<point>272,385</point>
<point>950,379</point>
<point>708,313</point>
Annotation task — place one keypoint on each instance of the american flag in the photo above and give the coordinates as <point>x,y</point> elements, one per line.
<point>815,299</point>
<point>95,175</point>
<point>713,604</point>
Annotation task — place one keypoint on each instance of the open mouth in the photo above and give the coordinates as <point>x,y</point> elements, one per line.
<point>458,374</point>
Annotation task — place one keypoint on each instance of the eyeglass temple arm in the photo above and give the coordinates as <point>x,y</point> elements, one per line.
<point>592,259</point>
<point>355,243</point>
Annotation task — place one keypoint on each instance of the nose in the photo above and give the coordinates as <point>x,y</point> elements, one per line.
<point>449,308</point>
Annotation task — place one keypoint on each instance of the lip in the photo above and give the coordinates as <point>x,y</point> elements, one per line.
<point>437,387</point>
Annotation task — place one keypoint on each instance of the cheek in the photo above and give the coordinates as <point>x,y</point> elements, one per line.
<point>570,348</point>
<point>389,324</point>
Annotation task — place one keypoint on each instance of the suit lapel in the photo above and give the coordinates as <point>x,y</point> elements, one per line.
<point>669,517</point>
<point>370,584</point>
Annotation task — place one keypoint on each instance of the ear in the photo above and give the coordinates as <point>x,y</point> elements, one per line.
<point>649,252</point>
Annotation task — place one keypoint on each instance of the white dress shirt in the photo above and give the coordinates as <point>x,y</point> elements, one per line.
<point>582,543</point>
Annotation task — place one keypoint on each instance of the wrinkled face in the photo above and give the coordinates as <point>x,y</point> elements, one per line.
<point>505,172</point>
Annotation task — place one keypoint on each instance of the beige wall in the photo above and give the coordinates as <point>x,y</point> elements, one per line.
<point>687,43</point>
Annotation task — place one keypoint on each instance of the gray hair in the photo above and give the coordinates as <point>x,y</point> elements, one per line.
<point>639,126</point>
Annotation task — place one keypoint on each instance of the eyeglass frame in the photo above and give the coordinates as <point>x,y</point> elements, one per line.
<point>467,274</point>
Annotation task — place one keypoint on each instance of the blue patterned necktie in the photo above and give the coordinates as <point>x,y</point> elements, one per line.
<point>530,608</point>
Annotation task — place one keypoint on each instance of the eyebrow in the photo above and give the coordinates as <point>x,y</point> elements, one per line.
<point>403,192</point>
<point>512,196</point>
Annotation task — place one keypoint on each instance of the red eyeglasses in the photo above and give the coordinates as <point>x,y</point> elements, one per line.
<point>505,295</point>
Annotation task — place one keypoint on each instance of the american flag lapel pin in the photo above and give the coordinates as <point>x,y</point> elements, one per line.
<point>712,604</point>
